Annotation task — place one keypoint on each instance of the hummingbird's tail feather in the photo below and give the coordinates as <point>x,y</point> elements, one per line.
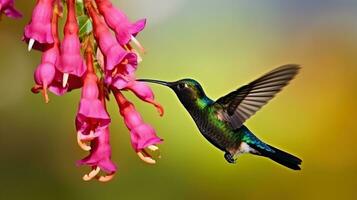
<point>280,157</point>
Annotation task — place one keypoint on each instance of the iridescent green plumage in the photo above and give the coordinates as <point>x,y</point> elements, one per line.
<point>221,121</point>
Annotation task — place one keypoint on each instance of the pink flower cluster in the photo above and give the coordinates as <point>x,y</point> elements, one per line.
<point>107,66</point>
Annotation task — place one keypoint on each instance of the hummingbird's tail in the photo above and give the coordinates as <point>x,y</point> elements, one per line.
<point>280,157</point>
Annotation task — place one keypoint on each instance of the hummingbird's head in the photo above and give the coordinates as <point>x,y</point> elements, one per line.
<point>187,90</point>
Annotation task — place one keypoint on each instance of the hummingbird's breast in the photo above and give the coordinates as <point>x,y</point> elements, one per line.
<point>214,130</point>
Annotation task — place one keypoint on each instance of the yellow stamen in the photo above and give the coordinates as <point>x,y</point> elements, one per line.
<point>146,159</point>
<point>31,43</point>
<point>155,151</point>
<point>153,148</point>
<point>82,144</point>
<point>92,174</point>
<point>65,79</point>
<point>145,156</point>
<point>138,44</point>
<point>106,178</point>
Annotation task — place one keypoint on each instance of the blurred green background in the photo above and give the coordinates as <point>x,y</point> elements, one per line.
<point>223,44</point>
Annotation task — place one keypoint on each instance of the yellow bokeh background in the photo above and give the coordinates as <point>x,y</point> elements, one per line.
<point>222,44</point>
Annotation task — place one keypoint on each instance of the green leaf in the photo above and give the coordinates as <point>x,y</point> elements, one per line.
<point>85,26</point>
<point>79,7</point>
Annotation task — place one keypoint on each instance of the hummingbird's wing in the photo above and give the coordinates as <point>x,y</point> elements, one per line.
<point>239,105</point>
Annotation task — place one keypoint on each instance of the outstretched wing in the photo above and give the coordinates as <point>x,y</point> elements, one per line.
<point>239,105</point>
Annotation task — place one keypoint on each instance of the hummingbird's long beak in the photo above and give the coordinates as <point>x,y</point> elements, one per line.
<point>168,84</point>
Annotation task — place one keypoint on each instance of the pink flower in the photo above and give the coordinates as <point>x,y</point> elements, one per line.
<point>100,158</point>
<point>113,53</point>
<point>63,69</point>
<point>125,30</point>
<point>7,7</point>
<point>71,64</point>
<point>92,117</point>
<point>143,136</point>
<point>46,75</point>
<point>39,28</point>
<point>144,92</point>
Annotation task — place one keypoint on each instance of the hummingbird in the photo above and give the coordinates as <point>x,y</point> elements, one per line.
<point>221,122</point>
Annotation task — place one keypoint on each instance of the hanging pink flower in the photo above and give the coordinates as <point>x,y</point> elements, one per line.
<point>100,158</point>
<point>45,73</point>
<point>71,64</point>
<point>47,76</point>
<point>143,136</point>
<point>113,53</point>
<point>39,29</point>
<point>92,116</point>
<point>125,30</point>
<point>63,69</point>
<point>7,7</point>
<point>144,92</point>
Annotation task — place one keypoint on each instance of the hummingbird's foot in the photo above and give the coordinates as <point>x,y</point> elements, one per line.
<point>229,158</point>
<point>148,153</point>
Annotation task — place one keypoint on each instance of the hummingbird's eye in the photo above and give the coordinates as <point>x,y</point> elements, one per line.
<point>181,86</point>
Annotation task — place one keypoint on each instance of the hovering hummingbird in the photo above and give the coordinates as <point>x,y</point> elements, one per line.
<point>221,121</point>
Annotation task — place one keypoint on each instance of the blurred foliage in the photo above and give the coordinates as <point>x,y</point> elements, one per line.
<point>222,44</point>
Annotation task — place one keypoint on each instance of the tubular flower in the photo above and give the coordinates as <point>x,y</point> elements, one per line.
<point>109,68</point>
<point>144,92</point>
<point>7,7</point>
<point>39,28</point>
<point>143,136</point>
<point>100,158</point>
<point>47,76</point>
<point>71,64</point>
<point>113,53</point>
<point>45,72</point>
<point>125,30</point>
<point>92,118</point>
